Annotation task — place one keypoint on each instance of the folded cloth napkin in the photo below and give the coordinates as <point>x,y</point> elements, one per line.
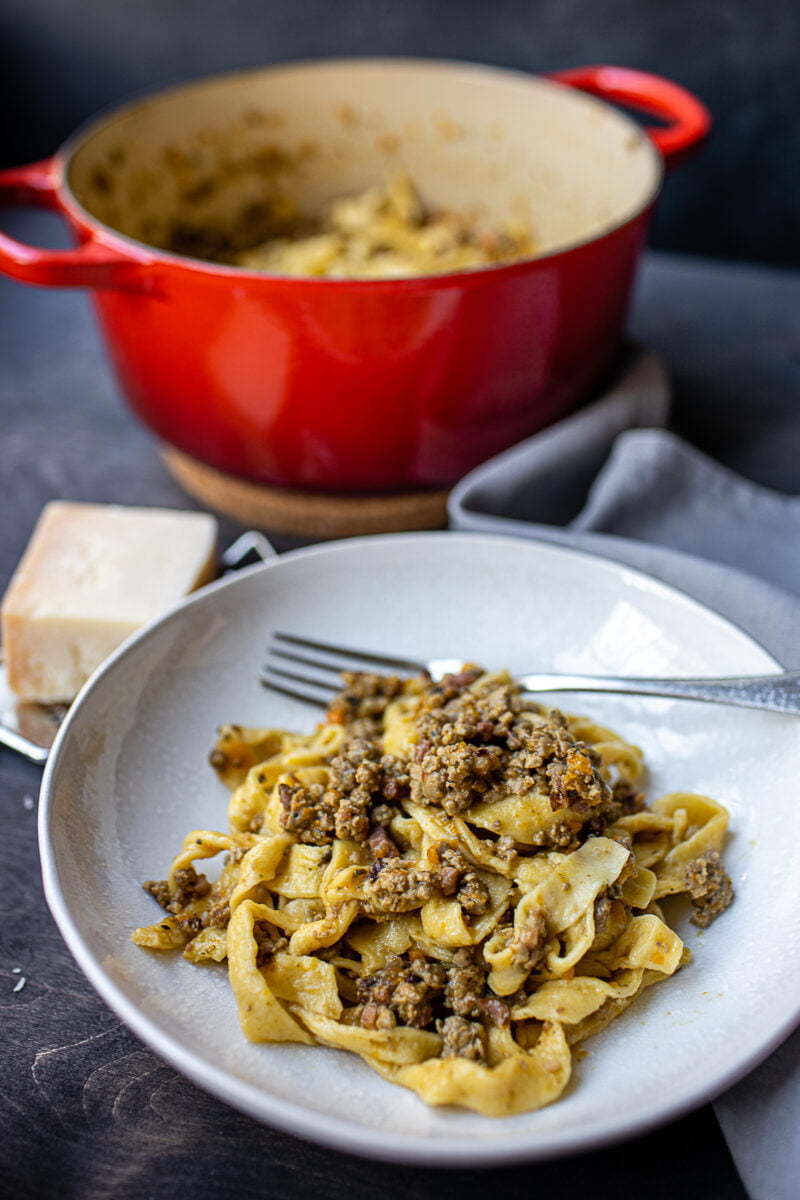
<point>613,480</point>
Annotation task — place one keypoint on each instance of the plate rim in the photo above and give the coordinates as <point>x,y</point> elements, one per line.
<point>332,1131</point>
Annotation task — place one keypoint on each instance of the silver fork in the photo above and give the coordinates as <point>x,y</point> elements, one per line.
<point>777,693</point>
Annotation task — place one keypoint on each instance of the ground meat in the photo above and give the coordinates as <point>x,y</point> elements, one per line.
<point>411,1004</point>
<point>624,801</point>
<point>505,850</point>
<point>376,1016</point>
<point>565,835</point>
<point>469,736</point>
<point>307,812</point>
<point>383,813</point>
<point>441,692</point>
<point>357,765</point>
<point>462,731</point>
<point>455,710</point>
<point>576,782</point>
<point>381,844</point>
<point>454,876</point>
<point>709,887</point>
<point>462,1039</point>
<point>363,697</point>
<point>551,760</point>
<point>361,781</point>
<point>610,917</point>
<point>268,940</point>
<point>397,887</point>
<point>356,779</point>
<point>190,923</point>
<point>466,985</point>
<point>455,776</point>
<point>395,782</point>
<point>472,733</point>
<point>530,942</point>
<point>160,890</point>
<point>496,1010</point>
<point>421,749</point>
<point>473,895</point>
<point>602,913</point>
<point>352,819</point>
<point>217,916</point>
<point>188,886</point>
<point>406,988</point>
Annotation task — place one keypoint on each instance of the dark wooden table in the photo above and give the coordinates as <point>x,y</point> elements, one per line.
<point>87,1111</point>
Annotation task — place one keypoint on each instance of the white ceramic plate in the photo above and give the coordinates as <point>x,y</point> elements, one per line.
<point>128,778</point>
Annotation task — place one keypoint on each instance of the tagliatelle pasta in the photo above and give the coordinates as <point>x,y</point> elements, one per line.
<point>382,233</point>
<point>445,880</point>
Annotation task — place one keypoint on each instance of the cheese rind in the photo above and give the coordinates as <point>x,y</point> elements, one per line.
<point>91,576</point>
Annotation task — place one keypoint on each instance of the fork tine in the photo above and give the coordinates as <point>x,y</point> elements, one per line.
<point>381,660</point>
<point>296,677</point>
<point>279,652</point>
<point>295,693</point>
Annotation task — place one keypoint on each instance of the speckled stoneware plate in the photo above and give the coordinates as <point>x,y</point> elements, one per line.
<point>128,777</point>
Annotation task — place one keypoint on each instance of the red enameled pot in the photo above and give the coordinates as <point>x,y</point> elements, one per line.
<point>360,384</point>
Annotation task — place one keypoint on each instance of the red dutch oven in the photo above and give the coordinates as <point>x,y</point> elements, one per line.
<point>359,385</point>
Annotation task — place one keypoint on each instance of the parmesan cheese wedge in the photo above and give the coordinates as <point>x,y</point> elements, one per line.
<point>91,576</point>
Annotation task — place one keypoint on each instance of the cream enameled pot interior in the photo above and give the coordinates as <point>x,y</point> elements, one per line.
<point>497,144</point>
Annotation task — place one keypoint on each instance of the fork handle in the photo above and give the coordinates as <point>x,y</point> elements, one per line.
<point>777,693</point>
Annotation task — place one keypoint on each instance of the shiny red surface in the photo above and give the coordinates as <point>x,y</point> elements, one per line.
<point>346,384</point>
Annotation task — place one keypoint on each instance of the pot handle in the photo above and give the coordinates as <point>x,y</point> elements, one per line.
<point>689,121</point>
<point>91,264</point>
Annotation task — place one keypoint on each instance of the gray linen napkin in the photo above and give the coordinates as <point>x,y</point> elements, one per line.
<point>611,479</point>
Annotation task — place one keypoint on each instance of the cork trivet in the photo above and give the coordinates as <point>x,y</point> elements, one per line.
<point>305,514</point>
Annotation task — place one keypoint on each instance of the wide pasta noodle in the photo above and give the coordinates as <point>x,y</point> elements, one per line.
<point>443,880</point>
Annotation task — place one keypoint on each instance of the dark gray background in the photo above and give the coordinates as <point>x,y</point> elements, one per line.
<point>61,60</point>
